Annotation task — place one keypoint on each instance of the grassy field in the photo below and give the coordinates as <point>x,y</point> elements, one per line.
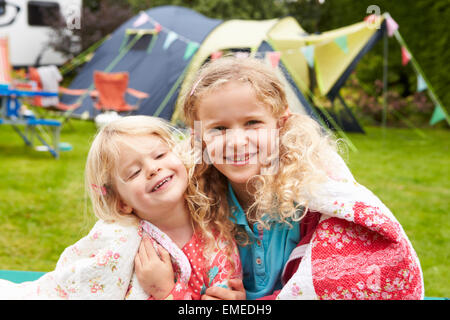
<point>43,208</point>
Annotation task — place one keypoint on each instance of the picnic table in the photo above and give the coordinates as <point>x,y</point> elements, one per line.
<point>32,126</point>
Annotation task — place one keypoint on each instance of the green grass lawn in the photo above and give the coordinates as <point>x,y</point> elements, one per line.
<point>43,207</point>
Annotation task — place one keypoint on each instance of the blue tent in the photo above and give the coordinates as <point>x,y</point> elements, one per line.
<point>158,62</point>
<point>156,72</point>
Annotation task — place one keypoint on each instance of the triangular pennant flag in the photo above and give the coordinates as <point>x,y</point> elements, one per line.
<point>391,26</point>
<point>371,19</point>
<point>406,56</point>
<point>342,43</point>
<point>216,55</point>
<point>308,52</point>
<point>158,27</point>
<point>142,19</point>
<point>190,49</point>
<point>171,37</point>
<point>421,84</point>
<point>438,115</point>
<point>274,58</point>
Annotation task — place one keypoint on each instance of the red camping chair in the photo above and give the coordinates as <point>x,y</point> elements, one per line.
<point>111,89</point>
<point>33,75</point>
<point>5,65</point>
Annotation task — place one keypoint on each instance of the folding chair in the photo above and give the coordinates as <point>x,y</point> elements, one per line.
<point>34,75</point>
<point>111,90</point>
<point>5,65</point>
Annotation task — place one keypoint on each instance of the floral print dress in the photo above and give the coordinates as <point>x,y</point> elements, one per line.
<point>205,272</point>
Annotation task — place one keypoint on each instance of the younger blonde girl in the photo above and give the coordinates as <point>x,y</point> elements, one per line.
<point>137,176</point>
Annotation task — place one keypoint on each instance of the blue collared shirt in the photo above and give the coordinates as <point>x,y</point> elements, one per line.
<point>264,258</point>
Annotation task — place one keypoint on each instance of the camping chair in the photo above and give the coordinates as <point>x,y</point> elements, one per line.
<point>111,90</point>
<point>55,104</point>
<point>5,65</point>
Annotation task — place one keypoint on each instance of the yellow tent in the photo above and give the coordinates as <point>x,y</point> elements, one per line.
<point>330,59</point>
<point>333,53</point>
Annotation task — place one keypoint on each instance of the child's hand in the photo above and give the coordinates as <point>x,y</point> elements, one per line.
<point>236,291</point>
<point>154,272</point>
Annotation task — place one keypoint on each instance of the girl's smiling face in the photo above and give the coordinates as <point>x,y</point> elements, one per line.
<point>238,130</point>
<point>151,179</point>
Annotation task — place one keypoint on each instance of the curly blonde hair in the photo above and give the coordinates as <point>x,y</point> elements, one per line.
<point>306,151</point>
<point>102,165</point>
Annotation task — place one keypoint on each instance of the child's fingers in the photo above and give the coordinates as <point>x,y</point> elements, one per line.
<point>149,249</point>
<point>141,258</point>
<point>137,262</point>
<point>236,284</point>
<point>164,255</point>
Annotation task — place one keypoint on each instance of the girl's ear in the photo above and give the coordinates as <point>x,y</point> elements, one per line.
<point>124,208</point>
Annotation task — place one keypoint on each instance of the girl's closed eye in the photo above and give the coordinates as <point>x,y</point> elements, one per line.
<point>253,122</point>
<point>134,173</point>
<point>160,155</point>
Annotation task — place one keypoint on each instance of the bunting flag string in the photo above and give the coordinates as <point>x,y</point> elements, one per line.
<point>421,84</point>
<point>170,38</point>
<point>342,43</point>
<point>439,112</point>
<point>190,49</point>
<point>406,56</point>
<point>158,27</point>
<point>274,58</point>
<point>438,115</point>
<point>216,55</point>
<point>141,20</point>
<point>308,52</point>
<point>392,26</point>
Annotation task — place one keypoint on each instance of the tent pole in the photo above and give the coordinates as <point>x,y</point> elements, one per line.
<point>116,60</point>
<point>171,92</point>
<point>349,112</point>
<point>385,81</point>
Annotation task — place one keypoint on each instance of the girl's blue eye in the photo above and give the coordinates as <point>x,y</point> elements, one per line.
<point>220,128</point>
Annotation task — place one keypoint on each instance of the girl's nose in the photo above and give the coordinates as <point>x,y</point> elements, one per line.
<point>236,138</point>
<point>152,171</point>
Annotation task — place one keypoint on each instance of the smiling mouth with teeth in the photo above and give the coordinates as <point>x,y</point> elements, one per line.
<point>162,183</point>
<point>240,158</point>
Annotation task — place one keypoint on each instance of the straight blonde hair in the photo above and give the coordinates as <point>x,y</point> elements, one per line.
<point>103,157</point>
<point>101,170</point>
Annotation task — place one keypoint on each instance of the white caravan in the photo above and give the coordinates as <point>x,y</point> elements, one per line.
<point>24,23</point>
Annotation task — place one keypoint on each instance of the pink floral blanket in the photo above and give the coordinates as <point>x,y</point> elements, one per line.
<point>98,266</point>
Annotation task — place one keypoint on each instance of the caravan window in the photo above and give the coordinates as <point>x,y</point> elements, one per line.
<point>2,7</point>
<point>42,13</point>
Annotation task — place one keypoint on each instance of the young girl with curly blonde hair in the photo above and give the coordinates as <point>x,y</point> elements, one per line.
<point>306,229</point>
<point>139,178</point>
